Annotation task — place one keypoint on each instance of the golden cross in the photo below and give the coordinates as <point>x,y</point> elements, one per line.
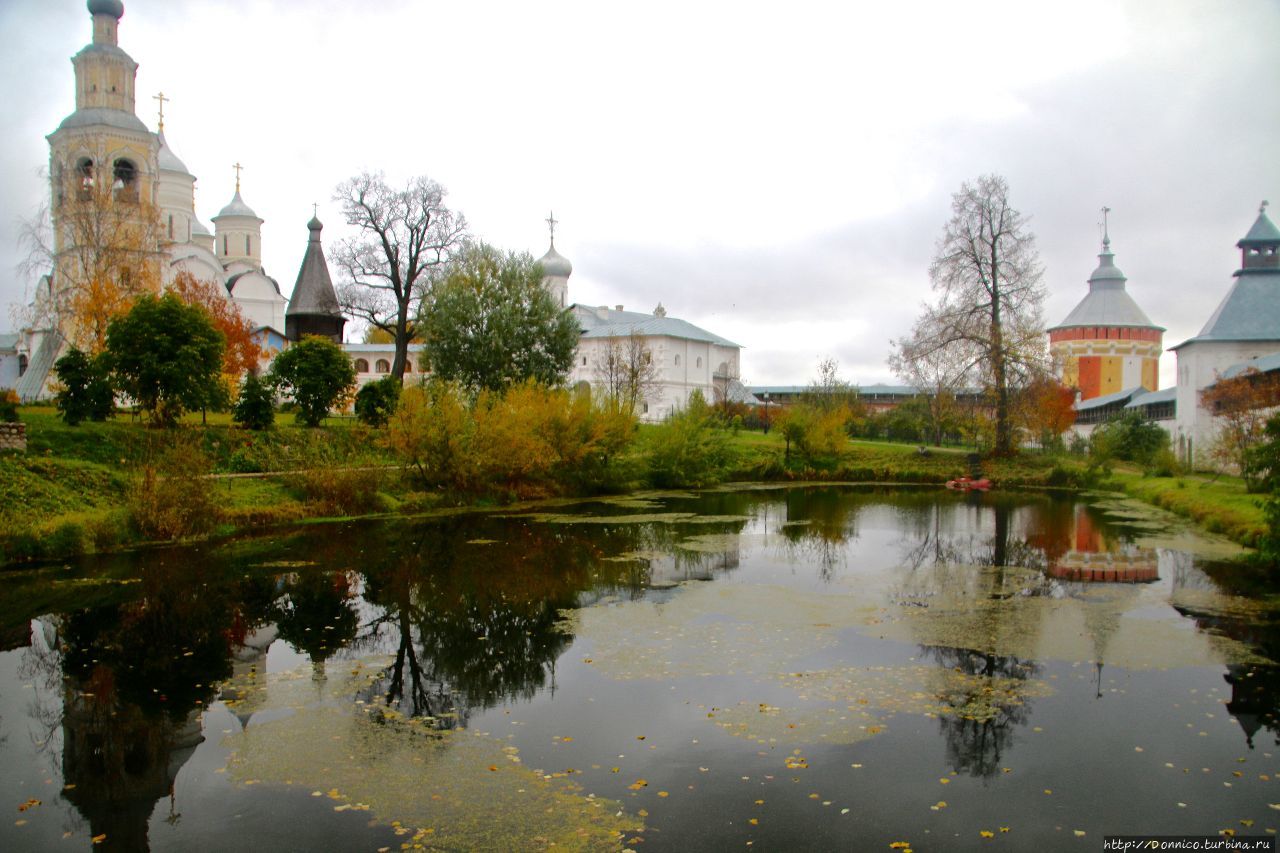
<point>551,221</point>
<point>161,98</point>
<point>237,167</point>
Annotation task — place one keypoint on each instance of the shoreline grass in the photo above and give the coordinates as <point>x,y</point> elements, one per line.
<point>69,494</point>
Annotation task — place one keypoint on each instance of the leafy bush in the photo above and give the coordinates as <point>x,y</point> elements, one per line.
<point>170,498</point>
<point>86,393</point>
<point>1132,438</point>
<point>688,448</point>
<point>525,440</point>
<point>255,407</point>
<point>376,401</point>
<point>316,374</point>
<point>813,434</point>
<point>9,406</point>
<point>342,491</point>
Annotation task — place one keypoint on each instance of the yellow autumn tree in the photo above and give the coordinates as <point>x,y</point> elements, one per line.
<point>100,242</point>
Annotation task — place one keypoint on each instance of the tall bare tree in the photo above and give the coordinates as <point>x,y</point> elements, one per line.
<point>405,236</point>
<point>628,372</point>
<point>986,272</point>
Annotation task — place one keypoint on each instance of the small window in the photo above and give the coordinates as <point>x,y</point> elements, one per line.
<point>584,361</point>
<point>648,358</point>
<point>699,361</point>
<point>382,366</point>
<point>22,364</point>
<point>362,366</point>
<point>224,245</point>
<point>248,245</point>
<point>677,361</point>
<point>170,226</point>
<point>644,407</point>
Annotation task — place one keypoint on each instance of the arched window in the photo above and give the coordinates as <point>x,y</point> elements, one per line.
<point>382,366</point>
<point>224,245</point>
<point>362,366</point>
<point>170,226</point>
<point>677,361</point>
<point>125,179</point>
<point>84,170</point>
<point>248,245</point>
<point>22,363</point>
<point>699,361</point>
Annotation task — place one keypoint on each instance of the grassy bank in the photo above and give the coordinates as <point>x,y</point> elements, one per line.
<point>77,488</point>
<point>1218,504</point>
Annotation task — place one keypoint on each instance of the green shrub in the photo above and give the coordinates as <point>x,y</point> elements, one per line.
<point>342,491</point>
<point>86,393</point>
<point>9,406</point>
<point>688,448</point>
<point>170,497</point>
<point>255,407</point>
<point>376,401</point>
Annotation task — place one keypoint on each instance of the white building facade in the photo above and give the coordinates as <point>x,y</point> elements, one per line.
<point>686,357</point>
<point>1246,326</point>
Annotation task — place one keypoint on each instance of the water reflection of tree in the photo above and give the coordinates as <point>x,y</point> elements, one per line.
<point>316,612</point>
<point>829,517</point>
<point>981,582</point>
<point>475,620</point>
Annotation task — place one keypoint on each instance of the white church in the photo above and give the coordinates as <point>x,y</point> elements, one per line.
<point>103,140</point>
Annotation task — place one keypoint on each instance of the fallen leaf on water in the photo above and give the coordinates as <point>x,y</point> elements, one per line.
<point>98,839</point>
<point>754,821</point>
<point>1079,833</point>
<point>20,822</point>
<point>1004,829</point>
<point>29,804</point>
<point>945,781</point>
<point>663,794</point>
<point>1246,822</point>
<point>638,784</point>
<point>986,833</point>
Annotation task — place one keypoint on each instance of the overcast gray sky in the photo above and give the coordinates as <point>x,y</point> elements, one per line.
<point>776,173</point>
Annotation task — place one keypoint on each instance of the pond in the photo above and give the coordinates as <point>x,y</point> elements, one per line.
<point>802,668</point>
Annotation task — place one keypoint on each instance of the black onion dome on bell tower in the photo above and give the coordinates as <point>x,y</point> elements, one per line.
<point>313,307</point>
<point>114,8</point>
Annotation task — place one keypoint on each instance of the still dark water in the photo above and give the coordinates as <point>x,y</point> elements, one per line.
<point>816,668</point>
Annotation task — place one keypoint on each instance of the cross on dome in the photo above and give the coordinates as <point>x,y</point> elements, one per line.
<point>552,222</point>
<point>161,98</point>
<point>237,167</point>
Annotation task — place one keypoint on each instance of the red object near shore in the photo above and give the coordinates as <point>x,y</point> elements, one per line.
<point>964,484</point>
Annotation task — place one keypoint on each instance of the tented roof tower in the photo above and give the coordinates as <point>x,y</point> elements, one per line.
<point>313,307</point>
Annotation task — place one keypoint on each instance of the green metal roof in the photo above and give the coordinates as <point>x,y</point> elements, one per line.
<point>1263,231</point>
<point>609,323</point>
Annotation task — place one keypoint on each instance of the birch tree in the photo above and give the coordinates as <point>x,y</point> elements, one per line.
<point>627,372</point>
<point>404,237</point>
<point>986,273</point>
